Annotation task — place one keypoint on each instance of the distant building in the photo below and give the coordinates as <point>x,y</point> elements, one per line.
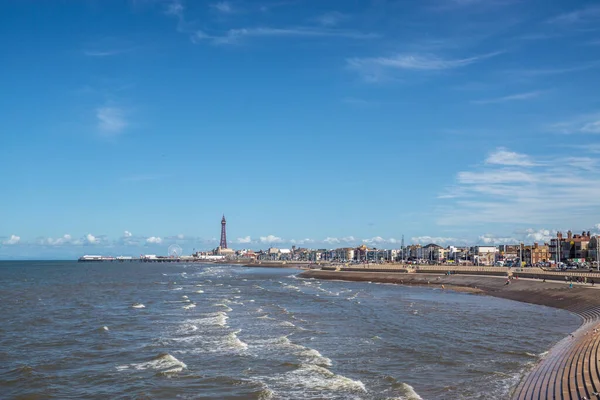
<point>536,254</point>
<point>484,255</point>
<point>572,247</point>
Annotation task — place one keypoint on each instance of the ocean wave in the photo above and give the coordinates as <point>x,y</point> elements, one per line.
<point>189,306</point>
<point>218,318</point>
<point>199,291</point>
<point>164,363</point>
<point>184,297</point>
<point>409,393</point>
<point>138,305</point>
<point>233,341</point>
<point>227,309</point>
<point>308,379</point>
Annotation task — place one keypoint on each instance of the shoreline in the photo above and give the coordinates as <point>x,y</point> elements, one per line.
<point>570,370</point>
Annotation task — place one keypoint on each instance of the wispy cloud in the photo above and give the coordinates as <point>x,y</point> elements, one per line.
<point>512,97</point>
<point>583,15</point>
<point>12,240</point>
<point>502,156</point>
<point>175,8</point>
<point>541,72</point>
<point>223,7</point>
<point>106,53</point>
<point>111,120</point>
<point>331,18</point>
<point>585,124</point>
<point>235,36</point>
<point>376,67</point>
<point>518,188</point>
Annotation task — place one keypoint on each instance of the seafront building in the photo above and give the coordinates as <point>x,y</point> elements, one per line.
<point>564,250</point>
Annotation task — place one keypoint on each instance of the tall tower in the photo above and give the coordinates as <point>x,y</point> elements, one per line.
<point>223,244</point>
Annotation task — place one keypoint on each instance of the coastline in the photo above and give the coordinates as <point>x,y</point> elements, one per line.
<point>571,369</point>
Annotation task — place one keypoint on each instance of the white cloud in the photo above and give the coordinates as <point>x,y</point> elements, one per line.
<point>377,68</point>
<point>104,53</point>
<point>245,239</point>
<point>65,239</point>
<point>111,120</point>
<point>91,239</point>
<point>154,240</point>
<point>234,36</point>
<point>380,240</point>
<point>591,127</point>
<point>492,240</point>
<point>175,8</point>
<point>302,241</point>
<point>331,18</point>
<point>270,239</point>
<point>439,240</point>
<point>127,234</point>
<point>14,239</point>
<point>583,15</point>
<point>331,240</point>
<point>589,123</point>
<point>180,236</point>
<point>223,7</point>
<point>512,97</point>
<point>501,156</point>
<point>519,188</point>
<point>540,235</point>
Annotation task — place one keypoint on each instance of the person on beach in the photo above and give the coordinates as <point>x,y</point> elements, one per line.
<point>592,281</point>
<point>571,285</point>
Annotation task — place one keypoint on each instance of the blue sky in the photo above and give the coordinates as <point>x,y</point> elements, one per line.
<point>129,126</point>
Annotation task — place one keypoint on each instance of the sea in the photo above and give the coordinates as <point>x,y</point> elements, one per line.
<point>192,331</point>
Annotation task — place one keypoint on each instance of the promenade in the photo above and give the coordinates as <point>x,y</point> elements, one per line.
<point>571,369</point>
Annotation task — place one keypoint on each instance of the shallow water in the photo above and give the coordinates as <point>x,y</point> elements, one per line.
<point>162,331</point>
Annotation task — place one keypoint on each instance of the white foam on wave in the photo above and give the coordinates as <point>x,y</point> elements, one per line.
<point>199,291</point>
<point>233,341</point>
<point>177,288</point>
<point>184,297</point>
<point>313,356</point>
<point>237,297</point>
<point>286,323</point>
<point>105,328</point>
<point>218,318</point>
<point>310,378</point>
<point>138,305</point>
<point>227,309</point>
<point>199,285</point>
<point>164,363</point>
<point>409,393</point>
<point>187,328</point>
<point>189,306</point>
